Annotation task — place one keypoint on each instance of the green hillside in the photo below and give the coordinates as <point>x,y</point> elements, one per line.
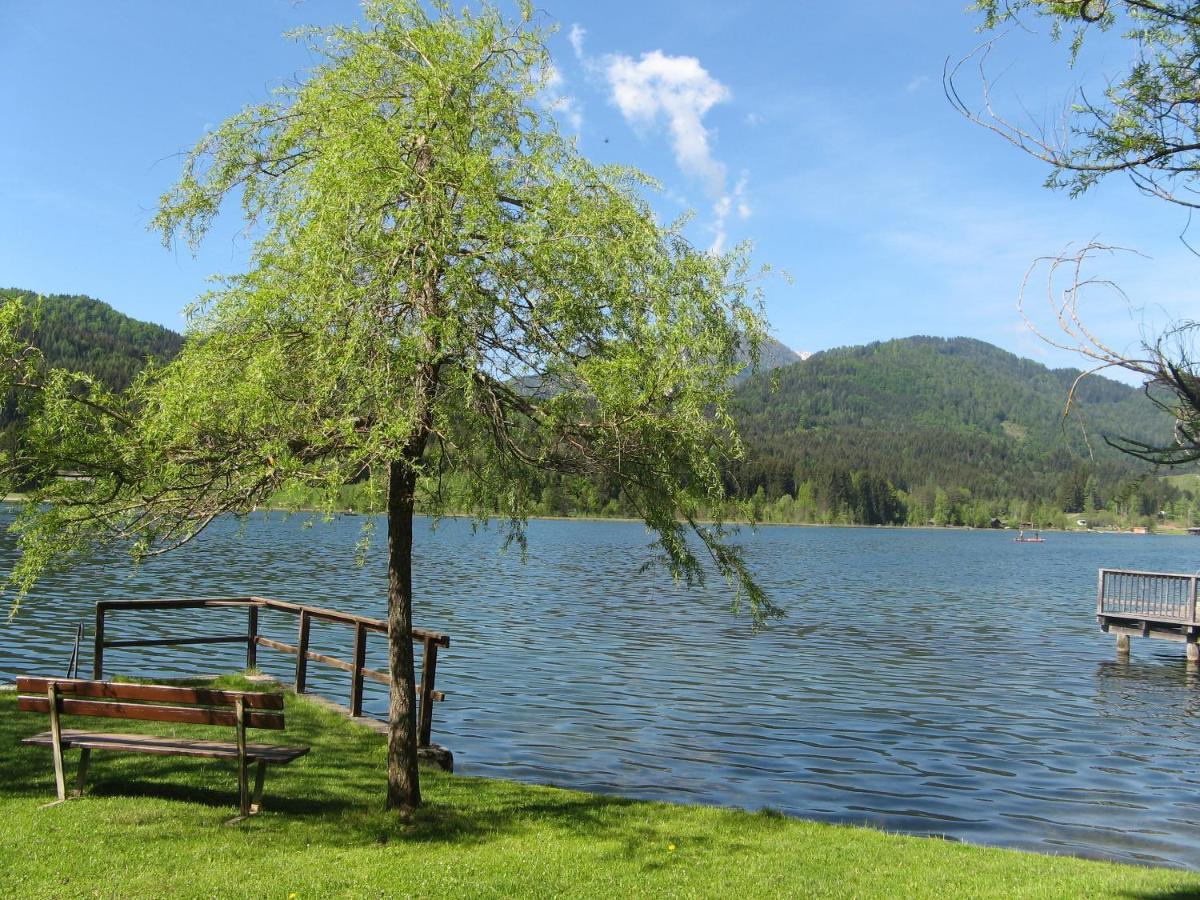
<point>82,334</point>
<point>86,335</point>
<point>910,431</point>
<point>921,414</point>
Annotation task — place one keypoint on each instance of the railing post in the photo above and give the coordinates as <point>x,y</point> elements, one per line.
<point>1100,594</point>
<point>302,652</point>
<point>252,636</point>
<point>1192,601</point>
<point>428,672</point>
<point>98,651</point>
<point>356,676</point>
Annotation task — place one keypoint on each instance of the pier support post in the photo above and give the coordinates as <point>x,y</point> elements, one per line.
<point>1122,645</point>
<point>1193,651</point>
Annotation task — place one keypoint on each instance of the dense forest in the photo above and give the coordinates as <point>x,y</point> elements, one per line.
<point>85,335</point>
<point>919,430</point>
<point>948,431</point>
<point>935,431</point>
<point>82,334</point>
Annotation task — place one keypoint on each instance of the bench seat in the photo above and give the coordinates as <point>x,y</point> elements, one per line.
<point>156,703</point>
<point>166,746</point>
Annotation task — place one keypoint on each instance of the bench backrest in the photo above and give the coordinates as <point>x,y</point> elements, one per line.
<point>150,702</point>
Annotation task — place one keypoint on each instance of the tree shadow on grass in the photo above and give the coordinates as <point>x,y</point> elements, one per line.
<point>334,796</point>
<point>1180,893</point>
<point>223,797</point>
<point>467,813</point>
<point>24,771</point>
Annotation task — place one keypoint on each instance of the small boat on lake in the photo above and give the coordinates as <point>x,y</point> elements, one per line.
<point>1023,538</point>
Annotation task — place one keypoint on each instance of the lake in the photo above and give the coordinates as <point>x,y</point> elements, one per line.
<point>925,681</point>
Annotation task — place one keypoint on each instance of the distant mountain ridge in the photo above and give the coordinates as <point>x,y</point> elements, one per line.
<point>915,415</point>
<point>773,354</point>
<point>84,334</point>
<point>948,411</point>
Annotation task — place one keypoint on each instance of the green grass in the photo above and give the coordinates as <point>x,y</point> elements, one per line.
<point>152,827</point>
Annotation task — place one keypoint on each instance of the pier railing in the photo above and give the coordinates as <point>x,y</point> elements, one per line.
<point>1147,596</point>
<point>360,626</point>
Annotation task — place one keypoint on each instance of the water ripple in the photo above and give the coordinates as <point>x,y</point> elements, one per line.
<point>933,682</point>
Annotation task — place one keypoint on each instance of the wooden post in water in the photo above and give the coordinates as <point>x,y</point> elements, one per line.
<point>1123,646</point>
<point>425,710</point>
<point>1193,650</point>
<point>251,636</point>
<point>98,651</point>
<point>302,652</point>
<point>356,674</point>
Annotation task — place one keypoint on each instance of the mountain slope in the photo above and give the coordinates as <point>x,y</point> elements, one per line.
<point>773,355</point>
<point>84,334</point>
<point>844,431</point>
<point>951,412</point>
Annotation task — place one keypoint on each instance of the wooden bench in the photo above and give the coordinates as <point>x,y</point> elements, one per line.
<point>156,703</point>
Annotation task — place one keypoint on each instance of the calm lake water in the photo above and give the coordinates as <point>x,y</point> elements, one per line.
<point>931,682</point>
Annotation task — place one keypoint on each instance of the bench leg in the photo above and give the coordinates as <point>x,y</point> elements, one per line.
<point>60,781</point>
<point>243,791</point>
<point>259,776</point>
<point>85,756</point>
<point>249,809</point>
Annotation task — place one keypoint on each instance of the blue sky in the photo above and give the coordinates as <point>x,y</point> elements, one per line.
<point>819,131</point>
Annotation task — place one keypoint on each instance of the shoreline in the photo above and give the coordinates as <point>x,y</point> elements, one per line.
<point>1167,531</point>
<point>477,835</point>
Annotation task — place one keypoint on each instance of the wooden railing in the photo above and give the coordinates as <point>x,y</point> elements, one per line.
<point>305,615</point>
<point>1147,596</point>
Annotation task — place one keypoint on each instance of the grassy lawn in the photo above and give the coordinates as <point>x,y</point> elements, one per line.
<point>152,827</point>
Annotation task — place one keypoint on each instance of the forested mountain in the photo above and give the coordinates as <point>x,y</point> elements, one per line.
<point>773,354</point>
<point>910,431</point>
<point>83,334</point>
<point>919,415</point>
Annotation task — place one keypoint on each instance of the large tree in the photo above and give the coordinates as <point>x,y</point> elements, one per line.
<point>439,283</point>
<point>1144,124</point>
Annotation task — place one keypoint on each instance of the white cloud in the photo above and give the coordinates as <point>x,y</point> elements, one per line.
<point>576,36</point>
<point>720,214</point>
<point>553,98</point>
<point>726,204</point>
<point>754,119</point>
<point>678,89</point>
<point>739,195</point>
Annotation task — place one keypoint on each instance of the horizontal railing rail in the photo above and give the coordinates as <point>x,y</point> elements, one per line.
<point>430,641</point>
<point>1147,596</point>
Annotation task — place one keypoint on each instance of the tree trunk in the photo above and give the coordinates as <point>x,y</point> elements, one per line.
<point>404,788</point>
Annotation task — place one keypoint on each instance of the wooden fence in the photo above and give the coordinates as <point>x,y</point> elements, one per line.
<point>1147,597</point>
<point>361,626</point>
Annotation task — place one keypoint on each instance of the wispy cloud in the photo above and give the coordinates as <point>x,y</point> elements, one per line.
<point>554,98</point>
<point>916,83</point>
<point>678,92</point>
<point>576,36</point>
<point>726,204</point>
<point>676,89</point>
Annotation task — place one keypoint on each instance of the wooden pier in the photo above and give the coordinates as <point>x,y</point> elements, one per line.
<point>1149,604</point>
